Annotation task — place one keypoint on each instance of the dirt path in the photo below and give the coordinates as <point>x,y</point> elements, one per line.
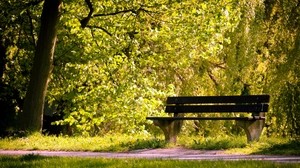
<point>174,153</point>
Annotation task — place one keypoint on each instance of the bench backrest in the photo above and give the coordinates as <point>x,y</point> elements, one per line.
<point>198,104</point>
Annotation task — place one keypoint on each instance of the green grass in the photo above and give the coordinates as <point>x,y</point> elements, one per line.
<point>74,162</point>
<point>121,143</point>
<point>214,143</point>
<point>238,144</point>
<point>108,143</point>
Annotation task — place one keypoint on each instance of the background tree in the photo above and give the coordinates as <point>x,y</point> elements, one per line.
<point>31,118</point>
<point>283,20</point>
<point>17,44</point>
<point>116,61</point>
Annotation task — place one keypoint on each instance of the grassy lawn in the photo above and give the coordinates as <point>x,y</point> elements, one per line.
<point>112,143</point>
<point>49,162</point>
<point>126,143</point>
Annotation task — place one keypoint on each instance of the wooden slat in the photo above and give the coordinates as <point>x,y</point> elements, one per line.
<point>217,108</point>
<point>218,99</point>
<point>204,118</point>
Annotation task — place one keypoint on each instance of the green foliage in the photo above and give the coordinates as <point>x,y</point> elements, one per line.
<point>287,101</point>
<point>112,76</point>
<point>119,68</point>
<point>17,33</point>
<point>283,52</point>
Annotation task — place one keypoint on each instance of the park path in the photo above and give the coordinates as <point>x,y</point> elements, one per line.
<point>172,153</point>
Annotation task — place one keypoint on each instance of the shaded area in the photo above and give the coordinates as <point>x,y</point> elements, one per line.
<point>139,144</point>
<point>218,144</point>
<point>290,148</point>
<point>35,160</point>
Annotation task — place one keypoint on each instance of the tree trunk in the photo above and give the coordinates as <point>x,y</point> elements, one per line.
<point>32,115</point>
<point>2,60</point>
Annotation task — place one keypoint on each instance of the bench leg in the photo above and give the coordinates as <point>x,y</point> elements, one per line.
<point>170,128</point>
<point>252,128</point>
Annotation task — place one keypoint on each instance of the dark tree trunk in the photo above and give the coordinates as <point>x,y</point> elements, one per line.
<point>32,115</point>
<point>2,60</point>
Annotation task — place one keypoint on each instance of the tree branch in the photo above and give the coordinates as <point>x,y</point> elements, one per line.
<point>86,20</point>
<point>33,3</point>
<point>135,11</point>
<point>31,27</point>
<point>211,76</point>
<point>115,13</point>
<point>101,28</point>
<point>218,65</point>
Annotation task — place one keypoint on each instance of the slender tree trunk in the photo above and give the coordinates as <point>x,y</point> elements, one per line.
<point>32,116</point>
<point>2,60</point>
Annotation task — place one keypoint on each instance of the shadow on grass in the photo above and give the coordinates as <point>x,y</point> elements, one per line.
<point>20,161</point>
<point>144,144</point>
<point>25,158</point>
<point>138,144</point>
<point>289,148</point>
<point>32,160</point>
<point>220,144</point>
<point>31,157</point>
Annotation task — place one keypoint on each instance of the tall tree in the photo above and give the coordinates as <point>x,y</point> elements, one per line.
<point>31,118</point>
<point>17,43</point>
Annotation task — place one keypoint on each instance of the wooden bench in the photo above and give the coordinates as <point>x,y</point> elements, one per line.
<point>253,125</point>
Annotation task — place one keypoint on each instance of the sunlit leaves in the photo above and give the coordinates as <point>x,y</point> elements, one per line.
<point>133,54</point>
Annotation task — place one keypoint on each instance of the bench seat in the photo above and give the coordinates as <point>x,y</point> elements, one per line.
<point>207,118</point>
